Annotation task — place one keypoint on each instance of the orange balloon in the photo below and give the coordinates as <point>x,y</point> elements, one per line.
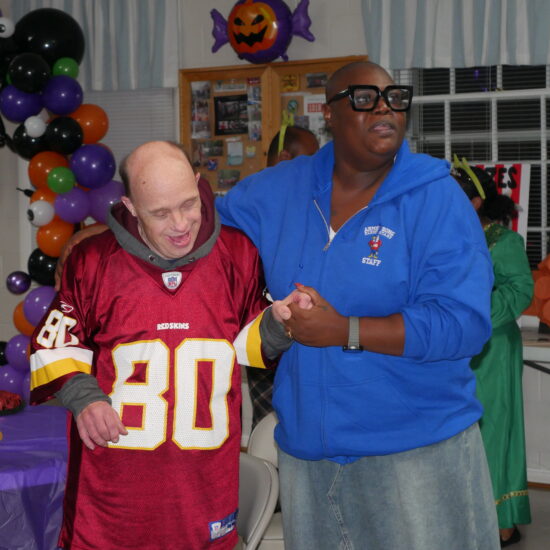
<point>43,194</point>
<point>93,121</point>
<point>20,321</point>
<point>41,164</point>
<point>53,236</point>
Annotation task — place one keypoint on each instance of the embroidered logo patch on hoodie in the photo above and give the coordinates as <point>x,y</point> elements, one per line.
<point>376,232</point>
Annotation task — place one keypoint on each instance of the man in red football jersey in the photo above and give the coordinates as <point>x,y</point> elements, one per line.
<point>139,346</point>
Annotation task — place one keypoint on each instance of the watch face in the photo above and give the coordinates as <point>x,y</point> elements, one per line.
<point>352,349</point>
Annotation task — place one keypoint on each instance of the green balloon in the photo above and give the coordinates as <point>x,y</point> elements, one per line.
<point>61,179</point>
<point>66,66</point>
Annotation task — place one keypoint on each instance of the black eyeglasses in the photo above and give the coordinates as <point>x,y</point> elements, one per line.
<point>364,97</point>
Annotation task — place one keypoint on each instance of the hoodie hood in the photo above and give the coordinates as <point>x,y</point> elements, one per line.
<point>125,229</point>
<point>408,172</point>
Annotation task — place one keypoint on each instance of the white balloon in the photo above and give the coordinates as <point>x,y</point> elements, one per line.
<point>35,126</point>
<point>44,115</point>
<point>40,213</point>
<point>7,27</point>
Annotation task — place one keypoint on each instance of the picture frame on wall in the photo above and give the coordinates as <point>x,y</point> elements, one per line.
<point>231,114</point>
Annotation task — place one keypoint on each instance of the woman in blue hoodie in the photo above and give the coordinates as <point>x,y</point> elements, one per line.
<point>379,446</point>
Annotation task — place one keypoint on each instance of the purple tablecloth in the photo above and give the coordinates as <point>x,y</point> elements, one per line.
<point>33,462</point>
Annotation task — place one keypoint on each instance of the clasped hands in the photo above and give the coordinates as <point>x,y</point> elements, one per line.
<point>310,319</point>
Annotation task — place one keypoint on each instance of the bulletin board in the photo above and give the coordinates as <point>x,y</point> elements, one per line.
<point>228,115</point>
<point>300,89</point>
<point>222,122</point>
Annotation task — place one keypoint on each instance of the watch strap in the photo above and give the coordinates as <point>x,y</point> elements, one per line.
<point>354,343</point>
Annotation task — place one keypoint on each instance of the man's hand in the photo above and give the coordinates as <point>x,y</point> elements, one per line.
<point>99,423</point>
<point>281,310</point>
<point>319,325</point>
<point>79,236</point>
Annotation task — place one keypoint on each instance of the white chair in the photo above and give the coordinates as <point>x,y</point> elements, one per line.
<point>258,494</point>
<point>262,445</point>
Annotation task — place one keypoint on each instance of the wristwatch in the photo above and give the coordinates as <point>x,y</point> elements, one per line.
<point>353,336</point>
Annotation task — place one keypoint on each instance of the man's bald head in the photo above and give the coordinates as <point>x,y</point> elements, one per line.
<point>163,194</point>
<point>146,154</point>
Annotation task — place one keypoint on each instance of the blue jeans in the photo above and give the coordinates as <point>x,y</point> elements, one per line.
<point>437,497</point>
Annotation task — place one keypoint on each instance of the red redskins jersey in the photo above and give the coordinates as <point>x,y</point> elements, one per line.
<point>161,346</point>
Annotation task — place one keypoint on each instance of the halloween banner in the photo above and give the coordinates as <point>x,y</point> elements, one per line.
<point>260,30</point>
<point>513,180</point>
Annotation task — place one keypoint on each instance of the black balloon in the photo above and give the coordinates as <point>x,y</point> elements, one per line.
<point>3,359</point>
<point>27,146</point>
<point>29,72</point>
<point>51,34</point>
<point>8,50</point>
<point>41,267</point>
<point>64,135</point>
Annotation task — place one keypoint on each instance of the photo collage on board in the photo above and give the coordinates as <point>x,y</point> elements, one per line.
<point>226,130</point>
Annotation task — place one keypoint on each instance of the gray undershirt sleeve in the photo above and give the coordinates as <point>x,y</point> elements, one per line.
<point>81,390</point>
<point>273,335</point>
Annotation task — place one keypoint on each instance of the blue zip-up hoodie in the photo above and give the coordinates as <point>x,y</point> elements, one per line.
<point>417,249</point>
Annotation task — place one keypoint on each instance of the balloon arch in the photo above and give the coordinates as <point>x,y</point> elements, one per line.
<point>70,170</point>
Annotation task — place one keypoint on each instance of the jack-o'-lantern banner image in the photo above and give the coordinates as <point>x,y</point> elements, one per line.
<point>70,172</point>
<point>260,30</point>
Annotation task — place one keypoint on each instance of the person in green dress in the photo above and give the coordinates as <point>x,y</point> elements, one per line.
<point>498,368</point>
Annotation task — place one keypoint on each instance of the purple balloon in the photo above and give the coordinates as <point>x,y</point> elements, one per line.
<point>37,303</point>
<point>93,165</point>
<point>10,379</point>
<point>72,206</point>
<point>25,392</point>
<point>17,105</point>
<point>62,95</point>
<point>102,198</point>
<point>16,352</point>
<point>18,282</point>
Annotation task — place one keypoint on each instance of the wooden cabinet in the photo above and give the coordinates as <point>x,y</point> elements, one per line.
<point>228,115</point>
